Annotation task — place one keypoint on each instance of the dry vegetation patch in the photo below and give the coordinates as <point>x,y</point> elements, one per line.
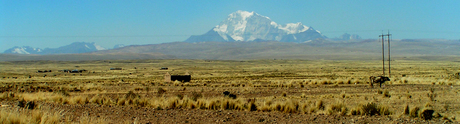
<point>332,88</point>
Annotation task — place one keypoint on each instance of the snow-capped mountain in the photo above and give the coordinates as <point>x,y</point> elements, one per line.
<point>76,47</point>
<point>23,50</point>
<point>118,46</point>
<point>250,26</point>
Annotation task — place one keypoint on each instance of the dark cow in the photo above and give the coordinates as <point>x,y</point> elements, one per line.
<point>230,95</point>
<point>226,93</point>
<point>378,79</point>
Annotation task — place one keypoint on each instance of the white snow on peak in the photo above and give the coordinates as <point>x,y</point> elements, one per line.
<point>20,50</point>
<point>292,28</point>
<point>221,28</point>
<point>243,14</point>
<point>99,47</point>
<point>243,26</point>
<point>87,46</point>
<point>274,24</point>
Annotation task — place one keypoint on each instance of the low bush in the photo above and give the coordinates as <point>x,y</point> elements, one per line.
<point>426,114</point>
<point>160,91</point>
<point>371,109</point>
<point>320,105</point>
<point>414,112</point>
<point>339,108</point>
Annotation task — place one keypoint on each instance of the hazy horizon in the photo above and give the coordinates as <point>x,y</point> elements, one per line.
<point>57,23</point>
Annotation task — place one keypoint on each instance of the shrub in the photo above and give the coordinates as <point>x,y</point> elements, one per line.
<point>234,84</point>
<point>373,109</point>
<point>173,103</point>
<point>303,95</point>
<point>213,104</point>
<point>131,95</point>
<point>426,114</point>
<point>320,105</point>
<point>251,105</point>
<point>340,81</point>
<point>96,99</point>
<point>323,82</point>
<point>431,95</point>
<point>369,109</point>
<point>290,106</point>
<point>343,94</point>
<point>121,102</point>
<point>196,96</point>
<point>384,110</point>
<point>380,91</point>
<point>29,116</point>
<point>230,104</point>
<point>386,93</point>
<point>406,110</point>
<point>141,102</point>
<point>414,112</point>
<point>355,111</point>
<point>64,92</point>
<point>180,96</point>
<point>161,91</point>
<point>7,95</point>
<point>339,108</point>
<point>348,81</point>
<point>200,104</point>
<point>79,100</point>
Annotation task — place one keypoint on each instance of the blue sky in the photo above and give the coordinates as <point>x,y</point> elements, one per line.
<point>54,23</point>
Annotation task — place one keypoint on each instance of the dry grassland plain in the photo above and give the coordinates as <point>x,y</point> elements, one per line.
<point>258,91</point>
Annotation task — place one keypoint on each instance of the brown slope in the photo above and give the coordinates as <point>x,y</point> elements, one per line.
<point>247,50</point>
<point>85,56</point>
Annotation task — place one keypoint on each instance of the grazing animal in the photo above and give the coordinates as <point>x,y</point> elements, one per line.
<point>378,79</point>
<point>226,93</point>
<point>230,95</point>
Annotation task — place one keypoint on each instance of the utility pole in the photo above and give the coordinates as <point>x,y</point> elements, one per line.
<point>383,53</point>
<point>389,68</point>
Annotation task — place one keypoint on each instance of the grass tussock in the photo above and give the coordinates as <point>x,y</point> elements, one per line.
<point>29,117</point>
<point>426,114</point>
<point>337,108</point>
<point>386,93</point>
<point>371,109</point>
<point>320,105</point>
<point>161,91</point>
<point>406,110</point>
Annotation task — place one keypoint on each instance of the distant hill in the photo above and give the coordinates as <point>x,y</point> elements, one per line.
<point>84,56</point>
<point>76,47</point>
<point>368,49</point>
<point>316,49</point>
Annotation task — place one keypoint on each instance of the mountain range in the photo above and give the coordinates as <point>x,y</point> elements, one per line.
<point>318,49</point>
<point>250,26</point>
<point>76,47</point>
<point>239,26</point>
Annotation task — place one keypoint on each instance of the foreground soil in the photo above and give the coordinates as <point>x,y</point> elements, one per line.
<point>117,114</point>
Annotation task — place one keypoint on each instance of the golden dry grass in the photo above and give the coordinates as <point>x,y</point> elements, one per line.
<point>289,86</point>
